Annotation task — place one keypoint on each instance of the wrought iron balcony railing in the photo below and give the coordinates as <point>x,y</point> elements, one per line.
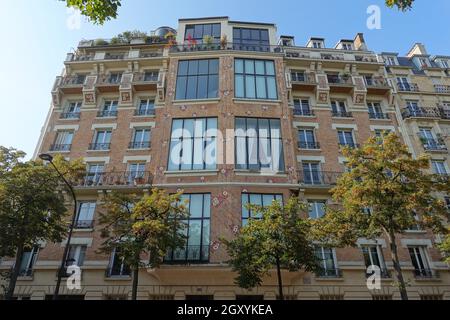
<point>303,78</point>
<point>76,80</point>
<point>440,88</point>
<point>421,112</point>
<point>191,47</point>
<point>188,254</point>
<point>318,178</point>
<point>26,272</point>
<point>70,115</point>
<point>145,77</point>
<point>351,145</point>
<point>118,271</point>
<point>336,80</point>
<point>308,145</point>
<point>107,113</point>
<point>303,113</point>
<point>384,273</point>
<point>376,82</point>
<point>410,87</point>
<point>124,178</point>
<point>60,147</point>
<point>432,144</point>
<point>139,145</point>
<point>426,273</point>
<point>329,273</point>
<point>84,224</point>
<point>144,112</point>
<point>99,146</point>
<point>341,114</point>
<point>378,115</point>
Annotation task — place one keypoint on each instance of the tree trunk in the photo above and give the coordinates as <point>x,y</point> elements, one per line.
<point>280,281</point>
<point>135,283</point>
<point>398,269</point>
<point>15,274</point>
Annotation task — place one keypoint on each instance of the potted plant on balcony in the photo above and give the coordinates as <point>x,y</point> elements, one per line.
<point>208,41</point>
<point>223,42</point>
<point>100,42</point>
<point>346,76</point>
<point>139,180</point>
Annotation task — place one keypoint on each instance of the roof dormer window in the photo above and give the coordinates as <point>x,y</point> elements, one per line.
<point>390,60</point>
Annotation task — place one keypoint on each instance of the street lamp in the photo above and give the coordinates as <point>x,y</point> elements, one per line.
<point>49,158</point>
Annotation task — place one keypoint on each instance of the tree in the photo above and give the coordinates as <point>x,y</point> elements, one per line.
<point>402,5</point>
<point>280,238</point>
<point>97,11</point>
<point>386,192</point>
<point>151,225</point>
<point>445,247</point>
<point>31,209</point>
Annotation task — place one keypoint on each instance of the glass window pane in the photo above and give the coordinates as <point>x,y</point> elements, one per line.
<point>202,92</point>
<point>213,86</point>
<point>259,66</point>
<point>203,66</point>
<point>216,30</point>
<point>183,68</point>
<point>271,88</point>
<point>191,88</point>
<point>270,68</point>
<point>250,87</point>
<point>239,83</point>
<point>181,88</point>
<point>196,206</point>
<point>261,87</point>
<point>239,66</point>
<point>193,67</point>
<point>249,67</point>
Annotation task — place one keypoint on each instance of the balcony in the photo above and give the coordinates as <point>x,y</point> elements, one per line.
<point>70,115</point>
<point>145,80</point>
<point>115,56</point>
<point>351,145</point>
<point>26,273</point>
<point>108,82</point>
<point>139,145</point>
<point>144,112</point>
<point>426,274</point>
<point>303,81</point>
<point>341,114</point>
<point>186,48</point>
<point>331,56</point>
<point>84,224</point>
<point>318,178</point>
<point>303,113</point>
<point>384,273</point>
<point>60,147</point>
<point>421,112</point>
<point>308,145</point>
<point>107,114</point>
<point>408,87</point>
<point>377,85</point>
<point>378,116</point>
<point>188,255</point>
<point>119,179</point>
<point>432,144</point>
<point>329,273</point>
<point>99,146</point>
<point>444,113</point>
<point>439,88</point>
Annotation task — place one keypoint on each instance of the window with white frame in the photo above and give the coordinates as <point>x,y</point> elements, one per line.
<point>63,140</point>
<point>403,84</point>
<point>257,199</point>
<point>141,138</point>
<point>444,64</point>
<point>85,215</point>
<point>193,144</point>
<point>346,138</point>
<point>136,170</point>
<point>439,167</point>
<point>390,60</point>
<point>373,256</point>
<point>346,46</point>
<point>259,145</point>
<point>151,75</point>
<point>420,261</point>
<point>75,255</point>
<point>95,172</point>
<point>376,111</point>
<point>302,107</point>
<point>117,265</point>
<point>311,172</point>
<point>428,139</point>
<point>327,262</point>
<point>72,111</point>
<point>146,107</point>
<point>317,44</point>
<point>298,76</point>
<point>339,109</point>
<point>109,108</point>
<point>27,261</point>
<point>306,139</point>
<point>115,77</point>
<point>316,208</point>
<point>102,139</point>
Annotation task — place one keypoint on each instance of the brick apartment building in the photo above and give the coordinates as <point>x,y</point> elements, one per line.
<point>123,107</point>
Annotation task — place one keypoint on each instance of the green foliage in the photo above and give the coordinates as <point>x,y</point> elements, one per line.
<point>97,11</point>
<point>143,226</point>
<point>100,42</point>
<point>400,194</point>
<point>445,247</point>
<point>282,234</point>
<point>402,5</point>
<point>31,209</point>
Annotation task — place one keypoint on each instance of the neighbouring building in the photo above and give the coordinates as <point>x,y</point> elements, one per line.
<point>249,117</point>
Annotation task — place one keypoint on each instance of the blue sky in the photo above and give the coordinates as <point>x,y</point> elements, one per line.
<point>35,39</point>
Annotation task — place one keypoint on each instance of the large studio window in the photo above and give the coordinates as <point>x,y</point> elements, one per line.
<point>255,79</point>
<point>197,79</point>
<point>193,144</point>
<point>259,145</point>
